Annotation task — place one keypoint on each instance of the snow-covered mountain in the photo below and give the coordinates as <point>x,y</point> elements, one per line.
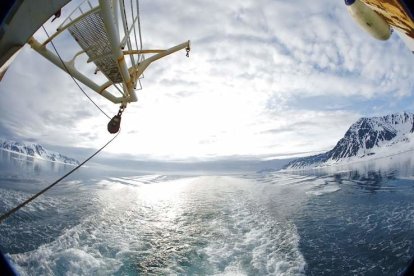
<point>36,151</point>
<point>367,138</point>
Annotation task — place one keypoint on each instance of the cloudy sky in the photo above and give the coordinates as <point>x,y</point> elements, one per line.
<point>265,78</point>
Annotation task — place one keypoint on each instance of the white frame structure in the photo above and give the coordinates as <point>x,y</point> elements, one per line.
<point>111,13</point>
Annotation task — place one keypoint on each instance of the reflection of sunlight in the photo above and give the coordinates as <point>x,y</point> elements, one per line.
<point>156,202</point>
<point>164,200</point>
<point>164,191</point>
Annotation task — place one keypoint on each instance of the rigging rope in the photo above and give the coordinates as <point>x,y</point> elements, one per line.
<point>135,32</point>
<point>139,30</point>
<point>139,26</point>
<point>27,201</point>
<point>64,65</point>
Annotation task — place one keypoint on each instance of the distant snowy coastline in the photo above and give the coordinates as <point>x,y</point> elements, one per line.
<point>367,139</point>
<point>36,151</point>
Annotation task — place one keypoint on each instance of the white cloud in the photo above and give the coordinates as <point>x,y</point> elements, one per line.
<point>255,83</point>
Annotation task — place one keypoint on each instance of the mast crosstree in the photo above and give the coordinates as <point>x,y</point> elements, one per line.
<point>109,33</point>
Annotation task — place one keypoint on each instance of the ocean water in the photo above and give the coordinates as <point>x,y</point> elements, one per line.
<point>357,221</point>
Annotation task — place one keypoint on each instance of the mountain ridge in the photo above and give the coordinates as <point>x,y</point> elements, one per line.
<point>36,151</point>
<point>366,138</point>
